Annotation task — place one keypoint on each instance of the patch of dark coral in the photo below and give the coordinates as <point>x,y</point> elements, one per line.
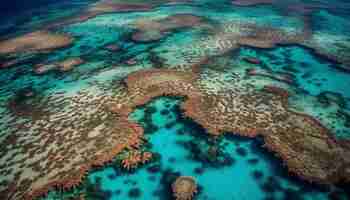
<point>168,178</point>
<point>27,102</point>
<point>94,190</point>
<point>134,193</point>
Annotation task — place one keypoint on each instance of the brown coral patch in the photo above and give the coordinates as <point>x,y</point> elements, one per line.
<point>252,60</point>
<point>307,147</point>
<point>63,66</point>
<point>56,151</point>
<point>134,158</point>
<point>69,64</point>
<point>268,37</point>
<point>101,7</point>
<point>148,30</point>
<point>39,41</point>
<point>113,47</point>
<point>147,36</point>
<point>304,11</point>
<point>184,188</point>
<point>44,68</point>
<point>232,35</point>
<point>98,159</point>
<point>109,6</point>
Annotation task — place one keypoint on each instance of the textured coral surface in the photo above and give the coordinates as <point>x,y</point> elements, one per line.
<point>302,142</point>
<point>184,188</point>
<point>36,41</point>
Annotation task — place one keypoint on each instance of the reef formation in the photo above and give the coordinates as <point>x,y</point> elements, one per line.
<point>41,41</point>
<point>150,31</point>
<point>316,40</point>
<point>184,188</point>
<point>18,49</point>
<point>306,147</point>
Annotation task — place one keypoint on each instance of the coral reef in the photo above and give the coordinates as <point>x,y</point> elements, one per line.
<point>184,188</point>
<point>149,31</point>
<point>21,49</point>
<point>69,64</point>
<point>55,148</point>
<point>318,41</point>
<point>134,158</point>
<point>266,114</point>
<point>232,35</point>
<point>109,6</point>
<point>252,60</point>
<point>63,66</point>
<point>131,61</point>
<point>78,145</point>
<point>283,77</point>
<point>44,68</point>
<point>113,47</point>
<point>305,146</point>
<point>38,41</point>
<point>24,104</point>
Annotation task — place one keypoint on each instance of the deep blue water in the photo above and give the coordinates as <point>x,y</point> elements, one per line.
<point>16,14</point>
<point>17,6</point>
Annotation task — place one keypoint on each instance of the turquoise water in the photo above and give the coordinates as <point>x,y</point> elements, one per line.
<point>240,168</point>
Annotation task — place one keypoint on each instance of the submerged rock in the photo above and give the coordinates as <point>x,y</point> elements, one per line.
<point>69,64</point>
<point>134,193</point>
<point>44,68</point>
<point>184,188</point>
<point>252,60</point>
<point>63,66</point>
<point>113,48</point>
<point>147,36</point>
<point>131,61</point>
